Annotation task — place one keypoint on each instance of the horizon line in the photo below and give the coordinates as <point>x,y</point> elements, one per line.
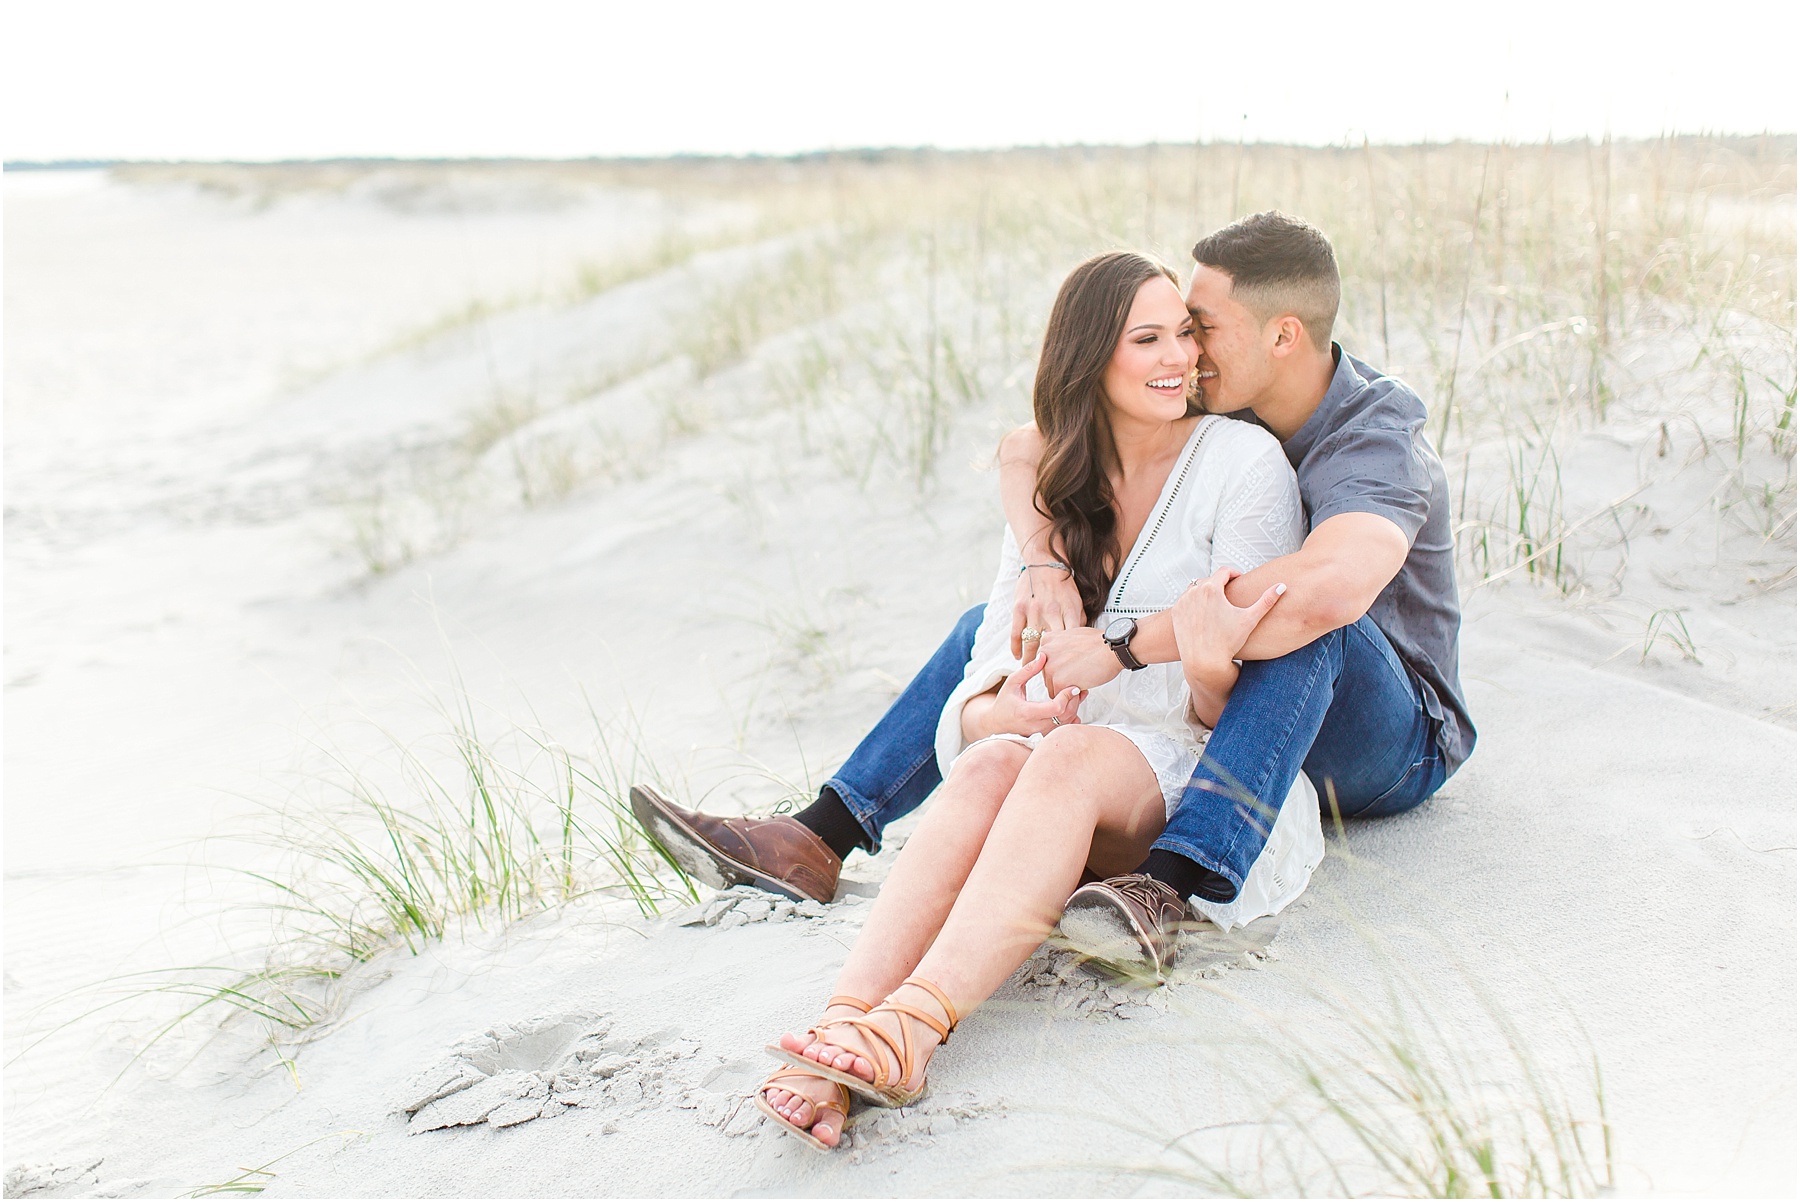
<point>79,163</point>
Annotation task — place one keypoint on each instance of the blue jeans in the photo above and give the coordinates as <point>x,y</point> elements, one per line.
<point>1376,753</point>
<point>1344,710</point>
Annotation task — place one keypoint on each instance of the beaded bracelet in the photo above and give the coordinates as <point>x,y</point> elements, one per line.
<point>1051,564</point>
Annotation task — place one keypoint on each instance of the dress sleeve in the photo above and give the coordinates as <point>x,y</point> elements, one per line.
<point>1259,508</point>
<point>992,660</point>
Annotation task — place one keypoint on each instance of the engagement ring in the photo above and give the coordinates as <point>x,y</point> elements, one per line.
<point>1030,635</point>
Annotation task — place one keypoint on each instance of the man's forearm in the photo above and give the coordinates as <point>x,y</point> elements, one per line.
<point>1301,615</point>
<point>1018,493</point>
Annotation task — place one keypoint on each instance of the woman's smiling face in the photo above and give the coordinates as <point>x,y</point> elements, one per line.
<point>1153,364</point>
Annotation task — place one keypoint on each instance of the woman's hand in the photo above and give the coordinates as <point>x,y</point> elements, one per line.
<point>1007,711</point>
<point>1210,632</point>
<point>1045,599</point>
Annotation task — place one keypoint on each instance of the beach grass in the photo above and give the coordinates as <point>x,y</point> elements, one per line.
<point>466,827</point>
<point>1392,1096</point>
<point>887,311</point>
<point>887,306</point>
<point>1533,293</point>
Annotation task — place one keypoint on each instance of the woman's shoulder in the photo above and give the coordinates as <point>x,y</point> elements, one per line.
<point>1239,440</point>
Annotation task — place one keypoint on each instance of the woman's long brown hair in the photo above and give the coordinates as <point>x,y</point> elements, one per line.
<point>1073,490</point>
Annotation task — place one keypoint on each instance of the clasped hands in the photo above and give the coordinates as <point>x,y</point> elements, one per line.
<point>1209,632</point>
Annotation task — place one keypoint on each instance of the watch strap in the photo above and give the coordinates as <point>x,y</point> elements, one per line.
<point>1122,649</point>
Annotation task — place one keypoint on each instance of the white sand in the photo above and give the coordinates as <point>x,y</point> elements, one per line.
<point>190,395</point>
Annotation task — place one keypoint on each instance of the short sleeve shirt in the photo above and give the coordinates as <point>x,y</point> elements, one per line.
<point>1365,450</point>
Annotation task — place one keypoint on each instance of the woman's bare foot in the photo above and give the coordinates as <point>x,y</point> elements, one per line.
<point>809,1103</point>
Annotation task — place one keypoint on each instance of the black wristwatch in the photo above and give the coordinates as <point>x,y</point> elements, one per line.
<point>1119,633</point>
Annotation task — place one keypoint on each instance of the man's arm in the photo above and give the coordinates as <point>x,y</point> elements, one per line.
<point>1020,452</point>
<point>1331,581</point>
<point>1046,598</point>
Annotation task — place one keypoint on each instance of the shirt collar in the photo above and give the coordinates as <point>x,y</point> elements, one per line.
<point>1346,382</point>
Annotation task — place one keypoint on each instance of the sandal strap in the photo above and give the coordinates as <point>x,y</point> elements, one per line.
<point>914,1012</point>
<point>949,1010</point>
<point>892,1060</point>
<point>793,1072</point>
<point>844,999</point>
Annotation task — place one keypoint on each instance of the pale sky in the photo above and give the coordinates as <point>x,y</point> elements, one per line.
<point>271,79</point>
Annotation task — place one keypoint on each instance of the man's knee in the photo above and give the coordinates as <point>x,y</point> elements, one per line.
<point>1283,671</point>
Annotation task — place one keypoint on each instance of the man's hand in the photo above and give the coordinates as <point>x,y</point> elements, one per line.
<point>1078,656</point>
<point>1046,599</point>
<point>1209,633</point>
<point>1209,629</point>
<point>1007,711</point>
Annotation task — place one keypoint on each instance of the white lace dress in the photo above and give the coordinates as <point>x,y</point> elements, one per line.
<point>1230,500</point>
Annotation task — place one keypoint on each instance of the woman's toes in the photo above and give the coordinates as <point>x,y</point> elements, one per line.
<point>796,1108</point>
<point>825,1133</point>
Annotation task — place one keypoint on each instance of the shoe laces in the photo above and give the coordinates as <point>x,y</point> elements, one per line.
<point>1146,891</point>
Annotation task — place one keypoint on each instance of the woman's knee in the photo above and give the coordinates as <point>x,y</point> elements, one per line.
<point>986,770</point>
<point>1078,744</point>
<point>1071,762</point>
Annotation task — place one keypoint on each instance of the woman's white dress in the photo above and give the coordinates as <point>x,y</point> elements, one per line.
<point>1230,500</point>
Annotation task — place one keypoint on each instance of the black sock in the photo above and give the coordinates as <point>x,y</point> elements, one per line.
<point>831,820</point>
<point>1186,877</point>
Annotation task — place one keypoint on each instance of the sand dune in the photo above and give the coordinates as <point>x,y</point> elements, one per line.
<point>283,469</point>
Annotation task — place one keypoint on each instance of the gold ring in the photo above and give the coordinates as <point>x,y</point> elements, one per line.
<point>1030,635</point>
<point>1055,720</point>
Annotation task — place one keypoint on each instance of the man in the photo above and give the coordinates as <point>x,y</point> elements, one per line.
<point>1350,677</point>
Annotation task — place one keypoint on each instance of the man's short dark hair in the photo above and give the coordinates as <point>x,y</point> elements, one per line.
<point>1277,264</point>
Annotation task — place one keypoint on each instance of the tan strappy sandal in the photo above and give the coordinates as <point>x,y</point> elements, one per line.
<point>840,1100</point>
<point>894,1062</point>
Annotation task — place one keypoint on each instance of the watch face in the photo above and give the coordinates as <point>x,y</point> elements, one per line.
<point>1120,629</point>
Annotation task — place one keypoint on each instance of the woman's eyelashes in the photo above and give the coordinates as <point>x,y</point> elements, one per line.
<point>1150,339</point>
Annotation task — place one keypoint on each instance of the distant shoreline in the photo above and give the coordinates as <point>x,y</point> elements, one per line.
<point>865,154</point>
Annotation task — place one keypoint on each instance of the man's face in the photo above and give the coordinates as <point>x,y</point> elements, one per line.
<point>1236,367</point>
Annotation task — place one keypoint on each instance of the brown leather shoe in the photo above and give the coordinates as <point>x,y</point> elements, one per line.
<point>777,854</point>
<point>1128,924</point>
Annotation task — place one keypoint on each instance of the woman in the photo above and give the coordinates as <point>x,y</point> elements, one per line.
<point>1144,497</point>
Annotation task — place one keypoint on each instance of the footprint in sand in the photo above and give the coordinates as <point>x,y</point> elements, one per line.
<point>741,905</point>
<point>542,1067</point>
<point>26,1179</point>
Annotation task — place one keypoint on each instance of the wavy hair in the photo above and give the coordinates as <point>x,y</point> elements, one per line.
<point>1068,405</point>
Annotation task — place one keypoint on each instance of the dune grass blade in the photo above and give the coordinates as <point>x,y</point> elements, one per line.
<point>403,848</point>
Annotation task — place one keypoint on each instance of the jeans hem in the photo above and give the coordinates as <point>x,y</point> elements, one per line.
<point>861,809</point>
<point>1205,861</point>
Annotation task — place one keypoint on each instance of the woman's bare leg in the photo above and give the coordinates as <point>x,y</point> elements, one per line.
<point>906,916</point>
<point>1083,789</point>
<point>922,886</point>
<point>1086,790</point>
